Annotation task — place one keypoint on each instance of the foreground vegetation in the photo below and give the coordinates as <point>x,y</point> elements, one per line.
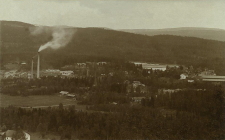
<point>196,116</point>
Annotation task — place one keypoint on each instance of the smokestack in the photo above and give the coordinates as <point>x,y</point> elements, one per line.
<point>87,72</point>
<point>32,68</point>
<point>38,65</point>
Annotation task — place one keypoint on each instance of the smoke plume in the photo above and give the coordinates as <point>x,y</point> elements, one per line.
<point>60,37</point>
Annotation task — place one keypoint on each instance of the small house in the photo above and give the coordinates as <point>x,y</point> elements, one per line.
<point>70,95</point>
<point>137,99</point>
<point>66,73</point>
<point>183,76</point>
<point>191,81</point>
<point>63,92</point>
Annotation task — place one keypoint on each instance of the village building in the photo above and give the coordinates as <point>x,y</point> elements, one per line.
<point>154,67</point>
<point>50,72</point>
<point>70,95</point>
<point>80,65</point>
<point>183,76</point>
<point>101,63</point>
<point>137,99</point>
<point>63,92</point>
<point>81,69</point>
<point>114,103</point>
<point>166,91</point>
<point>66,73</point>
<point>216,80</point>
<point>136,87</point>
<point>13,134</point>
<point>207,73</point>
<point>191,80</point>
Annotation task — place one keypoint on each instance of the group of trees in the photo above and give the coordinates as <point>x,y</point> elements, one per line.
<point>123,74</point>
<point>94,43</point>
<point>45,85</point>
<point>105,98</point>
<point>193,112</point>
<point>208,103</point>
<point>128,122</point>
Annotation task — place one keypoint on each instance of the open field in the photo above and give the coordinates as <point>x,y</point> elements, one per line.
<point>36,136</point>
<point>39,101</point>
<point>49,136</point>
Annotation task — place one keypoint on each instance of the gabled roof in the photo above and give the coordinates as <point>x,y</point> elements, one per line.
<point>10,133</point>
<point>64,92</point>
<point>71,95</point>
<point>213,77</point>
<point>184,74</point>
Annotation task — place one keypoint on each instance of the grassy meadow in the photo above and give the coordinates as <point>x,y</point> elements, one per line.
<point>37,101</point>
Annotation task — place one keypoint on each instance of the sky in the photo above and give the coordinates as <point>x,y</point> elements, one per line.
<point>117,14</point>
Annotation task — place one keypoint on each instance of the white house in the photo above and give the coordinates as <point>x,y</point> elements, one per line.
<point>63,92</point>
<point>191,81</point>
<point>70,95</point>
<point>81,65</point>
<point>27,136</point>
<point>114,103</point>
<point>11,134</point>
<point>52,70</point>
<point>101,63</point>
<point>66,73</point>
<point>183,76</point>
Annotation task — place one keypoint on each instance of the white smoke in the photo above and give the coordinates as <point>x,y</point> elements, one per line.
<point>60,37</point>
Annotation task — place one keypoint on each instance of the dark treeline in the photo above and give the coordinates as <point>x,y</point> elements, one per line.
<point>130,123</point>
<point>208,103</point>
<point>45,85</point>
<point>105,98</point>
<point>92,42</point>
<point>117,83</point>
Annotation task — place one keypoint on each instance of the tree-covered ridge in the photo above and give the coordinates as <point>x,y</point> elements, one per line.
<point>206,33</point>
<point>103,43</point>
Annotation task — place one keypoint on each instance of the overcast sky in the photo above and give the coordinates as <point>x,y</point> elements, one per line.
<point>117,14</point>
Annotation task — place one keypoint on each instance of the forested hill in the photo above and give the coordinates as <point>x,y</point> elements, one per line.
<point>205,33</point>
<point>105,44</point>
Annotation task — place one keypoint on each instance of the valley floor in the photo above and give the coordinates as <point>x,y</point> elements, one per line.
<point>38,101</point>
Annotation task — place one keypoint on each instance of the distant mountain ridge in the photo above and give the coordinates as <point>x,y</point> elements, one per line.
<point>89,44</point>
<point>205,33</point>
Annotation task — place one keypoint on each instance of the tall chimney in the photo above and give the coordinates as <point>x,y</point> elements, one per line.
<point>38,66</point>
<point>32,69</point>
<point>87,72</point>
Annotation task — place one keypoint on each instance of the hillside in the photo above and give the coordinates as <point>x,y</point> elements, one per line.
<point>205,33</point>
<point>101,44</point>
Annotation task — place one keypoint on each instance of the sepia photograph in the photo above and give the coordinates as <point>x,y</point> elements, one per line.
<point>112,70</point>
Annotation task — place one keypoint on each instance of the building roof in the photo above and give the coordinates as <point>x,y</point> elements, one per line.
<point>214,80</point>
<point>52,70</point>
<point>69,71</point>
<point>10,133</point>
<point>184,74</point>
<point>213,77</point>
<point>70,95</point>
<point>64,92</point>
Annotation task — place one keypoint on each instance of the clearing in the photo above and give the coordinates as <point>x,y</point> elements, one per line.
<point>38,101</point>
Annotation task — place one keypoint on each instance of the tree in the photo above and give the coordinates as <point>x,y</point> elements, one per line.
<point>42,129</point>
<point>60,106</point>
